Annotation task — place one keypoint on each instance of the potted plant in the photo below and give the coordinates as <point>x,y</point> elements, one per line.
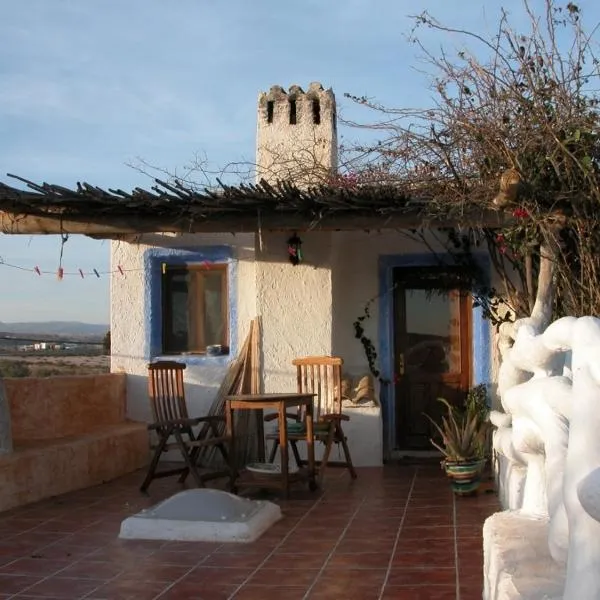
<point>464,436</point>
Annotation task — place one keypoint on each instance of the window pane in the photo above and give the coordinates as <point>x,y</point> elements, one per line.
<point>194,309</point>
<point>177,319</point>
<point>214,319</point>
<point>433,323</point>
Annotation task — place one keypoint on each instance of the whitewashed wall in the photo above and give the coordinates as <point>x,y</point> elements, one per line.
<point>305,310</point>
<point>129,322</point>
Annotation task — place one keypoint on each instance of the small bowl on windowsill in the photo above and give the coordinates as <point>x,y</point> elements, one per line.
<point>214,350</point>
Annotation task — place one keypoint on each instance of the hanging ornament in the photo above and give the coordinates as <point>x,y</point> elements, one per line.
<point>295,250</point>
<point>81,273</point>
<point>64,238</point>
<point>37,270</point>
<point>96,273</point>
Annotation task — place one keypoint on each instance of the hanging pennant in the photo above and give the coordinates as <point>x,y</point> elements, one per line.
<point>295,250</point>
<point>120,270</point>
<point>81,273</point>
<point>37,270</point>
<point>60,273</point>
<point>96,274</point>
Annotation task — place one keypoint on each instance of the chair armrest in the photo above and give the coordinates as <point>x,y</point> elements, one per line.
<point>273,416</point>
<point>334,417</point>
<point>174,423</point>
<point>209,418</point>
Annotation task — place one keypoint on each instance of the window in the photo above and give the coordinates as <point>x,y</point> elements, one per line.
<point>194,308</point>
<point>292,112</point>
<point>316,110</point>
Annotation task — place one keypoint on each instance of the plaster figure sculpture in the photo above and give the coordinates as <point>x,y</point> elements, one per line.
<point>549,384</point>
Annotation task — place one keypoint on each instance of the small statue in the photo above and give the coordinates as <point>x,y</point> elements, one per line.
<point>364,393</point>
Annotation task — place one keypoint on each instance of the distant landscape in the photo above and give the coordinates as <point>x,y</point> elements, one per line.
<point>53,348</point>
<point>62,328</point>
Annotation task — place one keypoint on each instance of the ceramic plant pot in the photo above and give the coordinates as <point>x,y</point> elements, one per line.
<point>465,475</point>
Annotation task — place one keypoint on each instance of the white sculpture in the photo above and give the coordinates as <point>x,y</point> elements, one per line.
<point>549,438</point>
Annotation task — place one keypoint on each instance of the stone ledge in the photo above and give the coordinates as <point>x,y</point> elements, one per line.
<point>48,468</point>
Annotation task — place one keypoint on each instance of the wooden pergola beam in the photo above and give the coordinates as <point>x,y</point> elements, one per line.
<point>113,226</point>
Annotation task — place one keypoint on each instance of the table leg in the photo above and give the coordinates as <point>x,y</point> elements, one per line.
<point>229,427</point>
<point>310,445</point>
<point>283,449</point>
<point>260,433</point>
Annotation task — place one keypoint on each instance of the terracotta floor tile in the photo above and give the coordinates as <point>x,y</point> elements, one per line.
<point>373,577</point>
<point>438,557</point>
<point>127,590</point>
<point>88,569</point>
<point>354,523</point>
<point>419,575</point>
<point>310,546</point>
<point>261,546</point>
<point>291,561</point>
<point>422,534</point>
<point>235,560</point>
<point>34,566</point>
<point>62,587</point>
<point>178,558</point>
<point>13,584</point>
<point>227,575</point>
<point>191,547</point>
<point>278,577</point>
<point>62,551</point>
<point>421,592</point>
<point>264,592</point>
<point>365,560</point>
<point>340,589</point>
<point>151,572</point>
<point>212,591</point>
<point>353,545</point>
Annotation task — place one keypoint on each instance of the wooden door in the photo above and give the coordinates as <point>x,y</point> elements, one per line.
<point>432,349</point>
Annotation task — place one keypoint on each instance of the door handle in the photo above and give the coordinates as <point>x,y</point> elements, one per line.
<point>401,364</point>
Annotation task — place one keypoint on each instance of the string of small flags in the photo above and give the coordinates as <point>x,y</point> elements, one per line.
<point>61,273</point>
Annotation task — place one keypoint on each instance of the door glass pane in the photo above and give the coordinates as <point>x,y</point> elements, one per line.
<point>433,332</point>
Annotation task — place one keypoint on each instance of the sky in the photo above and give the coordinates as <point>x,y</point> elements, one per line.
<point>90,88</point>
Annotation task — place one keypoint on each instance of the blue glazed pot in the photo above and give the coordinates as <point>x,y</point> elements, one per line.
<point>465,475</point>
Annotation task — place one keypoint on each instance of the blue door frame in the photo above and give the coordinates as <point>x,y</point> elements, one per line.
<point>480,351</point>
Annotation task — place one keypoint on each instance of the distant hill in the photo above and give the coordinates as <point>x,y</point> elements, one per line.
<point>73,329</point>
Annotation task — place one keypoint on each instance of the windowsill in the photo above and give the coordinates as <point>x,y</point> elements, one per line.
<point>194,359</point>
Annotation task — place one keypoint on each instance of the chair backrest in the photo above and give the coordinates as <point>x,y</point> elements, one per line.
<point>166,391</point>
<point>321,375</point>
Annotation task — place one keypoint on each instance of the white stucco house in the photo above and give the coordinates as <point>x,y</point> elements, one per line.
<point>183,292</point>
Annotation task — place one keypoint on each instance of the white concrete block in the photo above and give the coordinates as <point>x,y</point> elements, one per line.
<point>202,515</point>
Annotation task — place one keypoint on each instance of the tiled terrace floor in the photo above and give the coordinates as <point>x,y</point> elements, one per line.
<point>395,532</point>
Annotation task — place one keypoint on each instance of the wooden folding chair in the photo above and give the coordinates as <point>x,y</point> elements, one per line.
<point>322,376</point>
<point>175,429</point>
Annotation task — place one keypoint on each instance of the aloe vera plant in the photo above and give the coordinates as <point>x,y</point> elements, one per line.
<point>463,434</point>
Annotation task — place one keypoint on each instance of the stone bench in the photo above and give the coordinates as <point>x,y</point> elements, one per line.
<point>68,433</point>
